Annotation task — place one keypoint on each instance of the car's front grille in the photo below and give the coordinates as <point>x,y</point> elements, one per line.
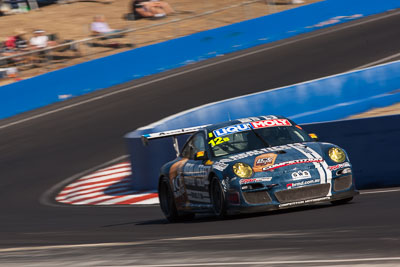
<point>258,197</point>
<point>342,183</point>
<point>303,193</point>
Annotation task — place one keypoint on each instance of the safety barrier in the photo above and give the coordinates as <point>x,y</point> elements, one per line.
<point>330,98</point>
<point>372,144</point>
<point>105,72</point>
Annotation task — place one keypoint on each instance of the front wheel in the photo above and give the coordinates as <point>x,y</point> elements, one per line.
<point>218,198</point>
<point>342,201</point>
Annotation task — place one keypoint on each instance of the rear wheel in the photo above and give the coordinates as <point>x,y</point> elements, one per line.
<point>342,201</point>
<point>167,202</point>
<point>218,198</point>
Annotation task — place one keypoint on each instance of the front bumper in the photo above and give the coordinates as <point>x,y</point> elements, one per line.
<point>310,195</point>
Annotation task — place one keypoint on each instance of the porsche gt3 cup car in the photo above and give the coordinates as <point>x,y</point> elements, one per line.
<point>252,164</point>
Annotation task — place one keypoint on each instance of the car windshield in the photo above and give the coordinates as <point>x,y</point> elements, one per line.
<point>251,139</point>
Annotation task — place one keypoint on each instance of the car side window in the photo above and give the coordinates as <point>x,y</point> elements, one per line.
<point>198,144</point>
<point>194,145</point>
<point>186,150</point>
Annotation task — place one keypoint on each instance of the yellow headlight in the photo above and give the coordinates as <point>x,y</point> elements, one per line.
<point>337,155</point>
<point>242,170</point>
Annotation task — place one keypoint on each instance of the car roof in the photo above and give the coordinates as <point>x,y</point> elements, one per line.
<point>242,120</point>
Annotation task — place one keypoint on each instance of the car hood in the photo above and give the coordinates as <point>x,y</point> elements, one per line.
<point>272,161</point>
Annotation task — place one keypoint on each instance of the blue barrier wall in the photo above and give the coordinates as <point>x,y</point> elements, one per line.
<point>330,98</point>
<point>373,146</point>
<point>105,72</point>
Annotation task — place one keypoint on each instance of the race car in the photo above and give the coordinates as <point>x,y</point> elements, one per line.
<point>249,165</point>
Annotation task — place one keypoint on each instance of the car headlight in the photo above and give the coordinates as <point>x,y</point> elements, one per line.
<point>337,155</point>
<point>242,170</point>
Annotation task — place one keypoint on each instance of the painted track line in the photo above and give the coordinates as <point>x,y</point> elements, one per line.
<point>208,238</point>
<point>328,31</point>
<point>270,263</point>
<point>154,241</point>
<point>379,191</point>
<point>382,60</point>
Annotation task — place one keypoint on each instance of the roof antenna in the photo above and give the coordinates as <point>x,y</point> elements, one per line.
<point>229,116</point>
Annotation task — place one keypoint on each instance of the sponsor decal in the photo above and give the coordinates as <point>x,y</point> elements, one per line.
<point>195,181</point>
<point>175,174</point>
<point>231,129</point>
<point>225,184</point>
<point>343,171</point>
<point>200,154</point>
<point>220,166</point>
<point>292,162</point>
<point>176,168</point>
<point>303,202</point>
<point>250,119</point>
<point>198,196</point>
<point>313,136</point>
<point>264,160</point>
<point>174,132</point>
<point>209,162</point>
<point>218,141</point>
<point>302,183</point>
<point>179,188</point>
<point>196,170</point>
<point>261,151</point>
<point>270,123</point>
<point>301,175</point>
<point>254,124</point>
<point>255,180</point>
<point>339,166</point>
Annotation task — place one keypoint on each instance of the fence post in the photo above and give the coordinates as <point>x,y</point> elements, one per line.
<point>33,4</point>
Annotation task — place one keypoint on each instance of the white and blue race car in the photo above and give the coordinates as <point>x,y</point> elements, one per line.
<point>252,164</point>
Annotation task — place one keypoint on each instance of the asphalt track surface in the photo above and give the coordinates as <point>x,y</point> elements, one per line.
<point>37,154</point>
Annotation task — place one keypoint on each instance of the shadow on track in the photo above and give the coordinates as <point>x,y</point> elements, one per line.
<point>208,217</point>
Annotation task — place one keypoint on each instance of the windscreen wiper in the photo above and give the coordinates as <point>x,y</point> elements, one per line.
<point>260,137</point>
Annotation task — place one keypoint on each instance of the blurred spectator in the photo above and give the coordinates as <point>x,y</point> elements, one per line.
<point>150,9</point>
<point>14,44</point>
<point>4,8</point>
<point>40,40</point>
<point>99,26</point>
<point>17,42</point>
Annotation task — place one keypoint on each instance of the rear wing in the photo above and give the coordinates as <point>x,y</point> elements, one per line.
<point>173,134</point>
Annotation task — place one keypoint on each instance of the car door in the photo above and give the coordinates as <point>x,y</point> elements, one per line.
<point>195,172</point>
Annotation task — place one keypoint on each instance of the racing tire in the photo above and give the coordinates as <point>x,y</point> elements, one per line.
<point>167,202</point>
<point>218,198</point>
<point>342,201</point>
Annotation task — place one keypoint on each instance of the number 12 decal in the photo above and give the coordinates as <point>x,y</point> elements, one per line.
<point>218,141</point>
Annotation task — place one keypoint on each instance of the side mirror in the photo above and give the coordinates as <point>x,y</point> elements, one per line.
<point>201,155</point>
<point>314,136</point>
